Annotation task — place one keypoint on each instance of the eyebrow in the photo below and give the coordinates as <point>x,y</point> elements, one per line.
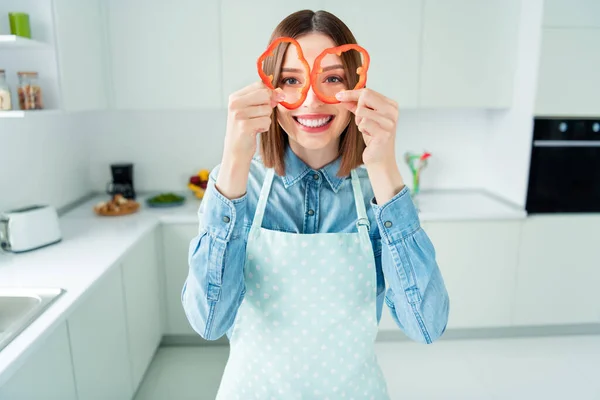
<point>300,71</point>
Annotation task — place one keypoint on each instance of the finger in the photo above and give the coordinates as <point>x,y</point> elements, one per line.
<point>277,97</point>
<point>258,125</point>
<point>369,98</point>
<point>255,112</point>
<point>258,97</point>
<point>383,120</point>
<point>350,106</point>
<point>372,128</point>
<point>251,88</point>
<point>349,95</point>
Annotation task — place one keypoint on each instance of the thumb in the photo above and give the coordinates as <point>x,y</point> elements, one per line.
<point>277,96</point>
<point>350,105</point>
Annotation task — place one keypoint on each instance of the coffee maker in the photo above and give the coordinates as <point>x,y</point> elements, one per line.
<point>122,181</point>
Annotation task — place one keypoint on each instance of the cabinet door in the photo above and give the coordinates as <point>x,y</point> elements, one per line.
<point>478,261</point>
<point>393,43</point>
<point>140,280</point>
<point>176,243</point>
<point>98,335</point>
<point>469,53</point>
<point>46,374</point>
<point>569,81</point>
<point>246,27</point>
<point>557,281</point>
<point>165,54</point>
<point>82,54</point>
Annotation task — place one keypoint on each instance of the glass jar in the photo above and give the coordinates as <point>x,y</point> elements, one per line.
<point>30,92</point>
<point>5,97</point>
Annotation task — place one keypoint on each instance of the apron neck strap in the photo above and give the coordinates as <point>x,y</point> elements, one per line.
<point>361,211</point>
<point>262,199</point>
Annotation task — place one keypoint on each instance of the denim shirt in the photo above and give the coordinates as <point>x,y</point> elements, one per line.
<point>308,201</point>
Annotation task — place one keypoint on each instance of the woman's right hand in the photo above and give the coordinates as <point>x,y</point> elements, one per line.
<point>249,113</point>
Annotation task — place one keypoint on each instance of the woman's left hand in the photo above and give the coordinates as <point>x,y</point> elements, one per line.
<point>377,118</point>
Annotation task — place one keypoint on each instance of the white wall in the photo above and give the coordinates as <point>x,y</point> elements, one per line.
<point>169,146</point>
<point>43,159</point>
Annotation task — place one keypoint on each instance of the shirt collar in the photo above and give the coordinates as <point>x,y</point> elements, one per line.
<point>296,169</point>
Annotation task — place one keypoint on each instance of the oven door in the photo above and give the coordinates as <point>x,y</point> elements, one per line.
<point>564,177</point>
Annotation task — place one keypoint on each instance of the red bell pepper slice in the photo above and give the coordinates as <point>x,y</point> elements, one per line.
<point>361,71</point>
<point>268,80</point>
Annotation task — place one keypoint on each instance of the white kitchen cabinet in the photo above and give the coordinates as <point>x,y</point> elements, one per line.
<point>165,54</point>
<point>572,13</point>
<point>569,81</point>
<point>81,53</point>
<point>140,282</point>
<point>176,242</point>
<point>393,43</point>
<point>246,28</point>
<point>478,260</point>
<point>98,333</point>
<point>558,274</point>
<point>469,50</point>
<point>46,374</point>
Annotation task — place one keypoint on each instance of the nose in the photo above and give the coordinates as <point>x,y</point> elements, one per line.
<point>312,101</point>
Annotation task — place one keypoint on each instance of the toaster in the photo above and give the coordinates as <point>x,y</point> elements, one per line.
<point>29,228</point>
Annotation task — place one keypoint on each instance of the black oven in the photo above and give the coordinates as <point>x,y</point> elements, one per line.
<point>564,174</point>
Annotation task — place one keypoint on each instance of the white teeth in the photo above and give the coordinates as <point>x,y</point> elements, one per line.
<point>314,123</point>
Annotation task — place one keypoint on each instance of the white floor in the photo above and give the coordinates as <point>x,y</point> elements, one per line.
<point>565,368</point>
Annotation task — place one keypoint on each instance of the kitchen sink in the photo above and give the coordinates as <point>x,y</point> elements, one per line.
<point>19,307</point>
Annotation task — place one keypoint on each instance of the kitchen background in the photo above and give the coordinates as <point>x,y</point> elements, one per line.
<point>146,81</point>
<point>120,101</point>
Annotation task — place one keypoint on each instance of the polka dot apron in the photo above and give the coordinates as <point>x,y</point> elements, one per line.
<point>307,325</point>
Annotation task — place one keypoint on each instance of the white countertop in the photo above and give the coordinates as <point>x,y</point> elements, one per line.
<point>464,205</point>
<point>91,245</point>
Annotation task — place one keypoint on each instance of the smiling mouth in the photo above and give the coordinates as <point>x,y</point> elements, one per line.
<point>314,122</point>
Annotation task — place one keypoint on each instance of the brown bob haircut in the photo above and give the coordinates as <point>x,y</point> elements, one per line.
<point>274,141</point>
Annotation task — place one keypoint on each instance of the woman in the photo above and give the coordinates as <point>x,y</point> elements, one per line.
<point>294,244</point>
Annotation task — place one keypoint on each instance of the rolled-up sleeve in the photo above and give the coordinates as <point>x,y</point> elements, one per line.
<point>214,287</point>
<point>417,295</point>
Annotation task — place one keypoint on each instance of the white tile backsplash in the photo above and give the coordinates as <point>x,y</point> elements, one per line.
<point>58,159</point>
<point>169,146</point>
<point>43,159</point>
<point>166,147</point>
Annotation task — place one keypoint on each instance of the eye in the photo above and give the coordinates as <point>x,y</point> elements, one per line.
<point>334,79</point>
<point>290,81</point>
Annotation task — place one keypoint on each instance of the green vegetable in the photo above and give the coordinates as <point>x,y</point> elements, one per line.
<point>166,198</point>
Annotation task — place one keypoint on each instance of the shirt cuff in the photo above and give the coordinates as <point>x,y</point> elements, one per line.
<point>397,218</point>
<point>222,218</point>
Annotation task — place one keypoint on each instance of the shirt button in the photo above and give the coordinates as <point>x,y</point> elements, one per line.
<point>311,212</point>
<point>388,224</point>
<point>226,219</point>
<point>316,177</point>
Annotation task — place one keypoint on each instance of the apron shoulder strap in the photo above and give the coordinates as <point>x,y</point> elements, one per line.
<point>361,211</point>
<point>362,223</point>
<point>262,199</point>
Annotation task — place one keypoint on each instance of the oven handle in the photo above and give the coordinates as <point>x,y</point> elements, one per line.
<point>566,143</point>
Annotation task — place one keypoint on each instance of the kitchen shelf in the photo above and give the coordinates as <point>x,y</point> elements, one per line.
<point>18,42</point>
<point>24,114</point>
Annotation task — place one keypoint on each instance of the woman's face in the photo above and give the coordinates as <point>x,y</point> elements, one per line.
<point>314,125</point>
